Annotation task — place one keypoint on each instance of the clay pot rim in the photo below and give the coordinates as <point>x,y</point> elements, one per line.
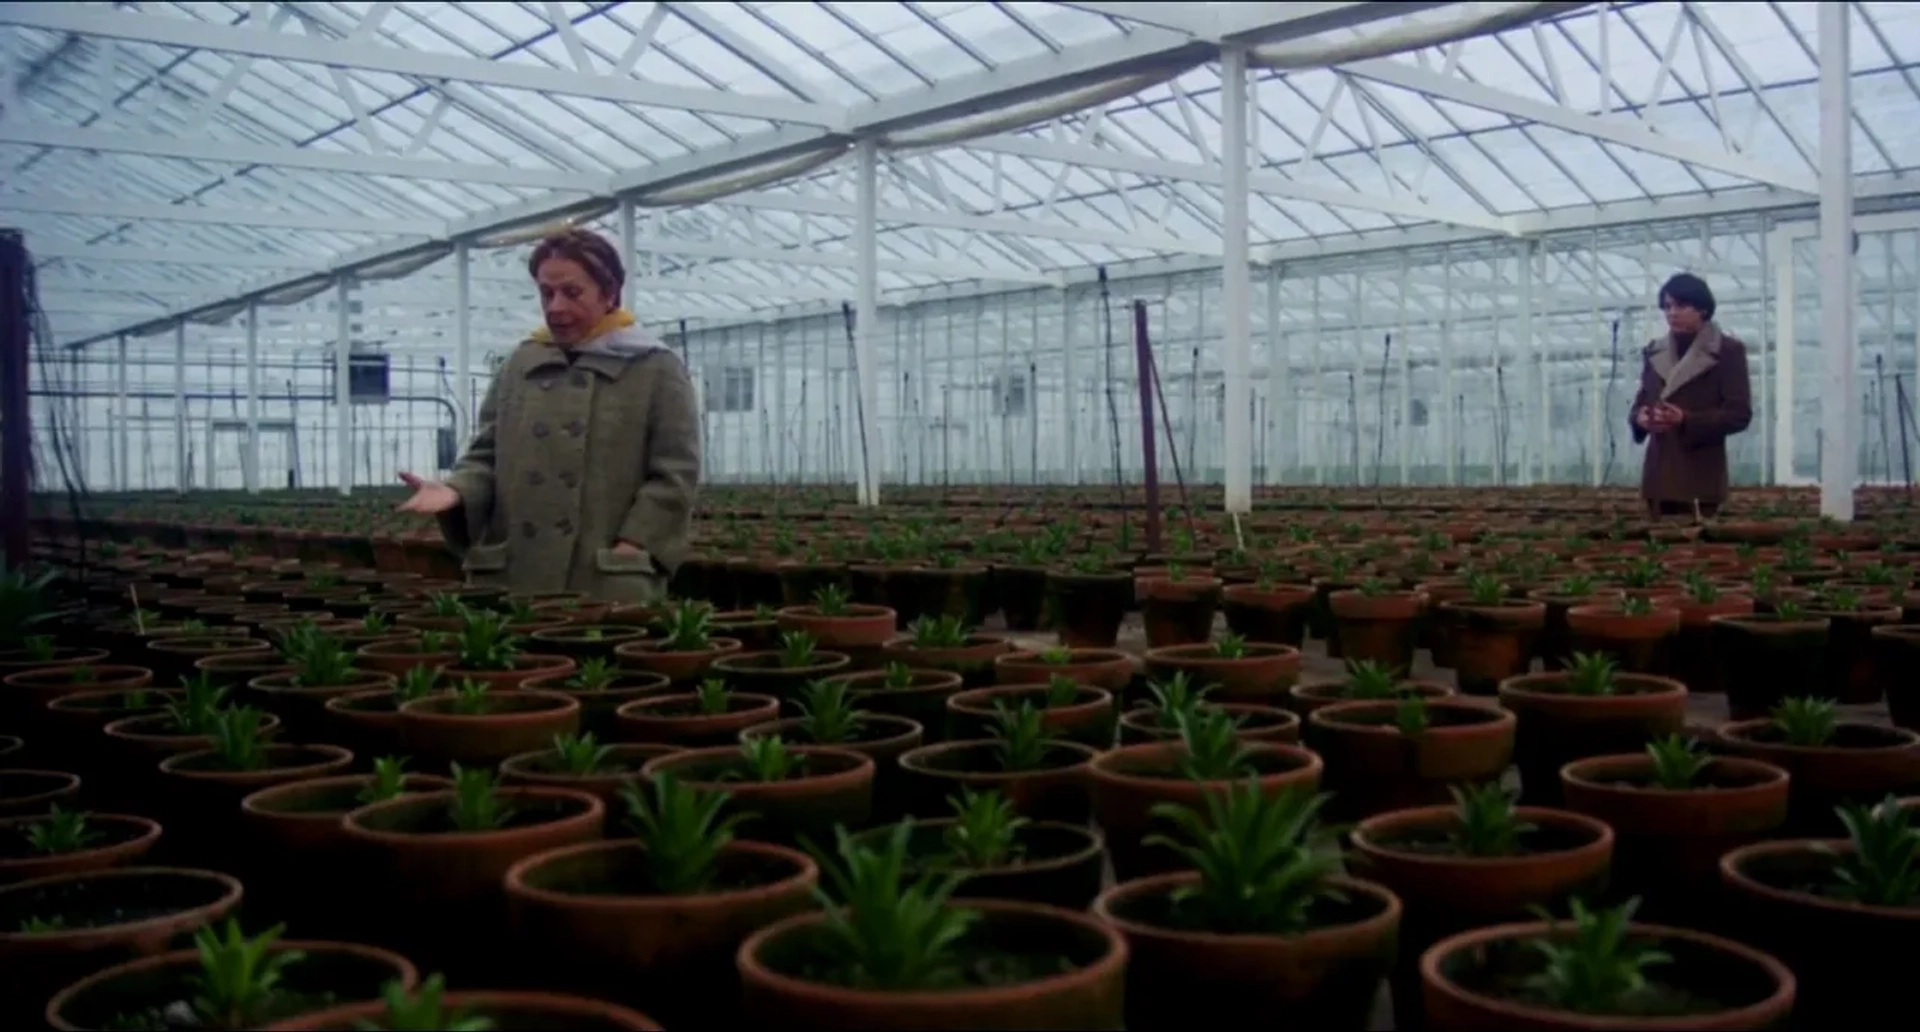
<point>1729,731</point>
<point>116,729</point>
<point>172,643</point>
<point>1733,873</point>
<point>903,642</point>
<point>592,812</point>
<point>1202,654</point>
<point>1361,837</point>
<point>229,897</point>
<point>417,709</point>
<point>936,681</point>
<point>860,767</point>
<point>532,684</point>
<point>385,650</point>
<point>512,764</point>
<point>857,612</point>
<point>805,875</point>
<point>1523,685</point>
<point>912,760</point>
<point>68,782</point>
<point>1752,1015</point>
<point>343,703</point>
<point>1315,690</point>
<point>1903,632</point>
<point>1771,623</point>
<point>532,664</point>
<point>149,833</point>
<point>1311,768</point>
<point>632,710</point>
<point>49,676</point>
<point>1079,657</point>
<point>958,701</point>
<point>252,806</point>
<point>337,756</point>
<point>539,1003</point>
<point>1329,716</point>
<point>1093,841</point>
<point>1107,967</point>
<point>1102,908</point>
<point>564,634</point>
<point>825,661</point>
<point>716,646</point>
<point>913,730</point>
<point>1285,718</point>
<point>85,653</point>
<point>409,975</point>
<point>371,679</point>
<point>1771,776</point>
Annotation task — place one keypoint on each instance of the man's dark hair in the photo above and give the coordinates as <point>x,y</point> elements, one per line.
<point>1690,291</point>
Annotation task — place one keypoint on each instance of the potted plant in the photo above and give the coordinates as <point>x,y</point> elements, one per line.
<point>1268,611</point>
<point>1675,810</point>
<point>1393,754</point>
<point>1102,668</point>
<point>1043,775</point>
<point>1693,648</point>
<point>581,762</point>
<point>1262,896</point>
<point>1178,608</point>
<point>202,790</point>
<point>1896,665</point>
<point>1589,709</point>
<point>1129,782</point>
<point>684,649</point>
<point>1600,970</point>
<point>369,722</point>
<point>1256,673</point>
<point>889,953</point>
<point>785,673</point>
<point>1365,681</point>
<point>322,669</point>
<point>29,692</point>
<point>947,643</point>
<point>1003,855</point>
<point>1765,657</point>
<point>1476,862</point>
<point>1170,703</point>
<point>41,652</point>
<point>228,980</point>
<point>1828,907</point>
<point>432,864</point>
<point>1086,600</point>
<point>1851,620</point>
<point>186,725</point>
<point>1578,589</point>
<point>601,689</point>
<point>1375,622</point>
<point>56,930</point>
<point>830,716</point>
<point>1637,631</point>
<point>25,792</point>
<point>432,649</point>
<point>1494,636</point>
<point>476,724</point>
<point>1828,760</point>
<point>432,1007</point>
<point>487,651</point>
<point>1074,711</point>
<point>838,625</point>
<point>711,715</point>
<point>583,643</point>
<point>70,842</point>
<point>792,790</point>
<point>658,919</point>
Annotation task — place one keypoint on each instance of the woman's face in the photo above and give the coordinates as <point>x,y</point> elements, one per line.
<point>569,298</point>
<point>1681,318</point>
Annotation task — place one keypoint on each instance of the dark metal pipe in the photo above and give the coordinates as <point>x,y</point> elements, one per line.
<point>1149,461</point>
<point>232,396</point>
<point>16,428</point>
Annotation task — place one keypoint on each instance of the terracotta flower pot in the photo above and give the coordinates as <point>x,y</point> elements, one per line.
<point>1089,608</point>
<point>514,722</point>
<point>1668,842</point>
<point>1181,978</point>
<point>124,839</point>
<point>1276,615</point>
<point>1557,727</point>
<point>1640,644</point>
<point>505,1009</point>
<point>397,657</point>
<point>1849,661</point>
<point>834,786</point>
<point>1763,659</point>
<point>1374,767</point>
<point>773,992</point>
<point>1556,639</point>
<point>1057,864</point>
<point>1862,762</point>
<point>1057,791</point>
<point>1896,670</point>
<point>1693,650</point>
<point>1836,947</point>
<point>541,768</point>
<point>861,629</point>
<point>768,673</point>
<point>26,792</point>
<point>598,705</point>
<point>1752,988</point>
<point>1143,724</point>
<point>26,693</point>
<point>523,668</point>
<point>1102,668</point>
<point>1492,643</point>
<point>1378,627</point>
<point>1127,782</point>
<point>1306,697</point>
<point>1089,719</point>
<point>606,930</point>
<point>582,642</point>
<point>680,667</point>
<point>303,707</point>
<point>1178,612</point>
<point>1260,676</point>
<point>879,737</point>
<point>974,660</point>
<point>679,720</point>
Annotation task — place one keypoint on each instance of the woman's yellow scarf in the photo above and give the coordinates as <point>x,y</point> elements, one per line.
<point>618,319</point>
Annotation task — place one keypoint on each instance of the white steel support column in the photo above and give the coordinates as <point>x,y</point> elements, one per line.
<point>866,319</point>
<point>1839,418</point>
<point>183,479</point>
<point>1403,424</point>
<point>1279,366</point>
<point>1533,446</point>
<point>1235,278</point>
<point>1449,426</point>
<point>123,436</point>
<point>342,383</point>
<point>1763,357</point>
<point>462,344</point>
<point>250,449</point>
<point>1068,381</point>
<point>1597,407</point>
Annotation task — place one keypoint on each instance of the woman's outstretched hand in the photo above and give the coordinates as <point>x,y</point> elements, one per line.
<point>430,497</point>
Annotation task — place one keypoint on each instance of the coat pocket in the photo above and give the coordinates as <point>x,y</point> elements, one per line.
<point>627,576</point>
<point>486,564</point>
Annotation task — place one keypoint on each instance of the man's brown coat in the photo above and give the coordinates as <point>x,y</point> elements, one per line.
<point>1708,383</point>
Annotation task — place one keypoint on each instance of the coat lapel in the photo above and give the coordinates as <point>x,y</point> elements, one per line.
<point>1699,360</point>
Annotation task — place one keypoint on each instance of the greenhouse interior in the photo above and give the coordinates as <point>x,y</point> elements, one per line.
<point>826,515</point>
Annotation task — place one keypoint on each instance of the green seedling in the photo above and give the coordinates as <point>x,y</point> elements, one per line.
<point>472,698</point>
<point>828,716</point>
<point>1230,646</point>
<point>1883,867</point>
<point>593,675</point>
<point>1263,860</point>
<point>1806,722</point>
<point>61,832</point>
<point>1489,826</point>
<point>985,831</point>
<point>941,632</point>
<point>477,805</point>
<point>1410,714</point>
<point>1020,736</point>
<point>1213,749</point>
<point>1061,691</point>
<point>1370,679</point>
<point>417,683</point>
<point>424,1009</point>
<point>684,830</point>
<point>687,628</point>
<point>713,696</point>
<point>797,650</point>
<point>831,600</point>
<point>580,756</point>
<point>768,759</point>
<point>486,642</point>
<point>1677,761</point>
<point>1600,969</point>
<point>1592,674</point>
<point>389,780</point>
<point>237,742</point>
<point>1175,699</point>
<point>882,932</point>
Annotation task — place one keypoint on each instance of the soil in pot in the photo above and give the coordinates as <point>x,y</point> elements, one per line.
<point>833,720</point>
<point>1036,862</point>
<point>584,642</point>
<point>792,791</point>
<point>1068,709</point>
<point>1100,667</point>
<point>712,717</point>
<point>1675,811</point>
<point>681,665</point>
<point>601,690</point>
<point>1588,710</point>
<point>1765,658</point>
<point>1240,671</point>
<point>581,763</point>
<point>476,725</point>
<point>1046,780</point>
<point>57,930</point>
<point>613,921</point>
<point>1127,783</point>
<point>783,675</point>
<point>44,845</point>
<point>25,793</point>
<point>1497,978</point>
<point>915,694</point>
<point>1017,965</point>
<point>1149,723</point>
<point>167,991</point>
<point>1829,761</point>
<point>1383,756</point>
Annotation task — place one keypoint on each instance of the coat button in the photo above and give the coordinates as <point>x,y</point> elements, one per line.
<point>539,429</point>
<point>546,385</point>
<point>528,529</point>
<point>563,525</point>
<point>579,379</point>
<point>575,428</point>
<point>569,478</point>
<point>536,478</point>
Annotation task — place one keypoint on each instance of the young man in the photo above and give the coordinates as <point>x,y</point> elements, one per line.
<point>1693,395</point>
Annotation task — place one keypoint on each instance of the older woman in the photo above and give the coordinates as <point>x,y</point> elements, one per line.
<point>1693,395</point>
<point>581,472</point>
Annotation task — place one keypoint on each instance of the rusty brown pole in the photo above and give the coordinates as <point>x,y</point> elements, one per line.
<point>1143,364</point>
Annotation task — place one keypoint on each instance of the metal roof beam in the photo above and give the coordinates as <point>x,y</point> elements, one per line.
<point>53,204</point>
